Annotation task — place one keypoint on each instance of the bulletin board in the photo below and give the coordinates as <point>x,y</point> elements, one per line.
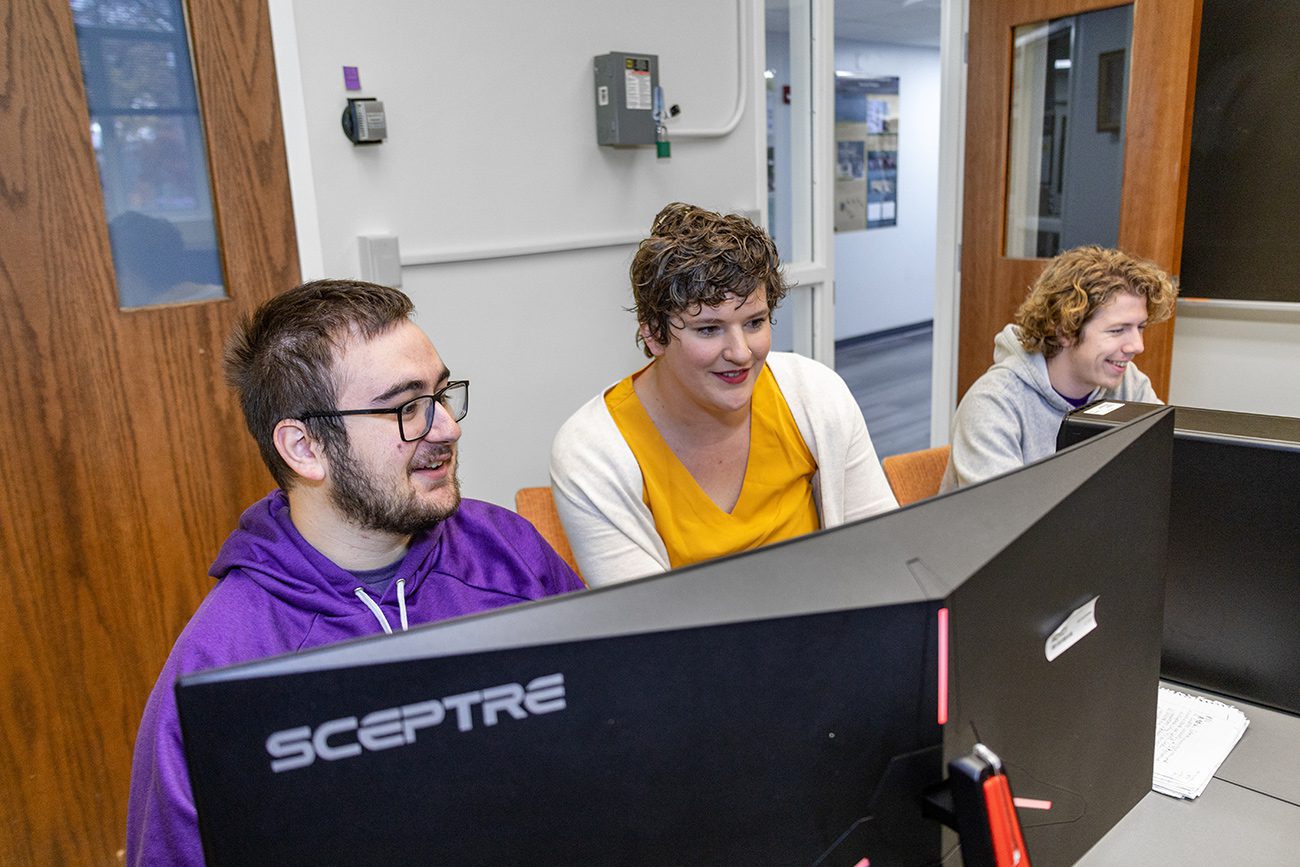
<point>866,153</point>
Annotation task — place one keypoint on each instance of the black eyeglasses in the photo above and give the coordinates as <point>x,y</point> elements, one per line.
<point>415,417</point>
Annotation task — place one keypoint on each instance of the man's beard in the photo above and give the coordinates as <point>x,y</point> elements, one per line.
<point>356,495</point>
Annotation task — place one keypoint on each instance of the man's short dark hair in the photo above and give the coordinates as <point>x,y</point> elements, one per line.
<point>280,358</point>
<point>693,259</point>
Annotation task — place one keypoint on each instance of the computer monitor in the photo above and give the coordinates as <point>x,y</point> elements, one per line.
<point>1233,596</point>
<point>785,705</point>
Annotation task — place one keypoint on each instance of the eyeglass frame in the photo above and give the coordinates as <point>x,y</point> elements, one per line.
<point>436,397</point>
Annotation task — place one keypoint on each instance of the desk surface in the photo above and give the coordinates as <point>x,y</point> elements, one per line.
<point>1249,813</point>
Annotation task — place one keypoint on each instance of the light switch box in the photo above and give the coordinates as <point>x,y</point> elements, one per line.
<point>381,260</point>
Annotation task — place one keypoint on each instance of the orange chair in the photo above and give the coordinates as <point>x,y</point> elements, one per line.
<point>916,475</point>
<point>538,506</point>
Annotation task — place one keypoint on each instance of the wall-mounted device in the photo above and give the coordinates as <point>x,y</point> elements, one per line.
<point>381,259</point>
<point>626,84</point>
<point>364,122</point>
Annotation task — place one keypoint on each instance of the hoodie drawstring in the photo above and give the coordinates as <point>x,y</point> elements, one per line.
<point>401,600</point>
<point>378,612</point>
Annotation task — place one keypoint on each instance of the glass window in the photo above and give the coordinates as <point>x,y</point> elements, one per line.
<point>147,135</point>
<point>790,210</point>
<point>789,127</point>
<point>1066,162</point>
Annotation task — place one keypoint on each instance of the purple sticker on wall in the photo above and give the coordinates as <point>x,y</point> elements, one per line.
<point>351,78</point>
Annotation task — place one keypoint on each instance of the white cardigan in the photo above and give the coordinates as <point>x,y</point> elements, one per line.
<point>597,483</point>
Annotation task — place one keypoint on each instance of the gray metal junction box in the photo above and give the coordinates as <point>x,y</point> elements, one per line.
<point>625,86</point>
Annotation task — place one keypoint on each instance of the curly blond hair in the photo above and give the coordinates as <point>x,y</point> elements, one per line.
<point>695,258</point>
<point>1076,283</point>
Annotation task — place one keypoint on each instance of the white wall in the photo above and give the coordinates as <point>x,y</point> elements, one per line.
<point>491,144</point>
<point>1242,360</point>
<point>885,277</point>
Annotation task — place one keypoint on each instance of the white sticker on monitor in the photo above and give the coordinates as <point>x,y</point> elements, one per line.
<point>1082,621</point>
<point>1102,408</point>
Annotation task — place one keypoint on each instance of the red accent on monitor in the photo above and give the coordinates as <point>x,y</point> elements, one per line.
<point>1031,804</point>
<point>943,666</point>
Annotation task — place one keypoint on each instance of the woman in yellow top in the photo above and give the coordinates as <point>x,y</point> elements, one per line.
<point>717,445</point>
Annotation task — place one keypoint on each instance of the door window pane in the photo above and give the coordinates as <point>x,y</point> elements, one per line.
<point>1066,161</point>
<point>147,135</point>
<point>790,212</point>
<point>789,77</point>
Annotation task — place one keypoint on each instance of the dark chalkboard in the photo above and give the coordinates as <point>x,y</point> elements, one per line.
<point>1241,234</point>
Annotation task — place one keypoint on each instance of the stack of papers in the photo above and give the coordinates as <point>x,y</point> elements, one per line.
<point>1193,737</point>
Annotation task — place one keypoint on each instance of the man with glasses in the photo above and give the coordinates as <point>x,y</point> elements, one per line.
<point>356,417</point>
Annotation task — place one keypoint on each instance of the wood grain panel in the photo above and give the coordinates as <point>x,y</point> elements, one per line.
<point>246,139</point>
<point>123,455</point>
<point>1158,128</point>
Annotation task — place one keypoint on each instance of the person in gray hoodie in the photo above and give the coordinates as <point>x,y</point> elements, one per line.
<point>1073,342</point>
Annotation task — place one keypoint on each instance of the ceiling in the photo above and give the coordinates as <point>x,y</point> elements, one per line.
<point>900,22</point>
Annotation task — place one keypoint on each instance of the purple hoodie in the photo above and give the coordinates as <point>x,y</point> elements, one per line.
<point>277,594</point>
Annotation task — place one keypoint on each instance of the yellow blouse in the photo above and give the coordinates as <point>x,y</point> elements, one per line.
<point>776,499</point>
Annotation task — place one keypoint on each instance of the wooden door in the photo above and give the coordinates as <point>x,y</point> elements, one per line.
<point>124,461</point>
<point>1158,140</point>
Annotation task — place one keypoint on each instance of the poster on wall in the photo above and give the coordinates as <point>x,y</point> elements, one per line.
<point>866,150</point>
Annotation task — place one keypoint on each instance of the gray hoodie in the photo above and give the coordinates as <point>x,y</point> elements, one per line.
<point>1010,416</point>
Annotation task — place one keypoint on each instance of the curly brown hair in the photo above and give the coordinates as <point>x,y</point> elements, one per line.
<point>280,358</point>
<point>696,258</point>
<point>1076,283</point>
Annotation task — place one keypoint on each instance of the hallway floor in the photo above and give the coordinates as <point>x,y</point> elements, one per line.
<point>890,377</point>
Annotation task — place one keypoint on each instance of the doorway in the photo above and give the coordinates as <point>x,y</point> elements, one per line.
<point>887,114</point>
<point>875,74</point>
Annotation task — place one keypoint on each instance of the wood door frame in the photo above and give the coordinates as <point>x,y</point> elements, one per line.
<point>1157,144</point>
<point>124,455</point>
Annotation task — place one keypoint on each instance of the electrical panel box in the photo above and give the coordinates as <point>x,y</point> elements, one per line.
<point>625,87</point>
